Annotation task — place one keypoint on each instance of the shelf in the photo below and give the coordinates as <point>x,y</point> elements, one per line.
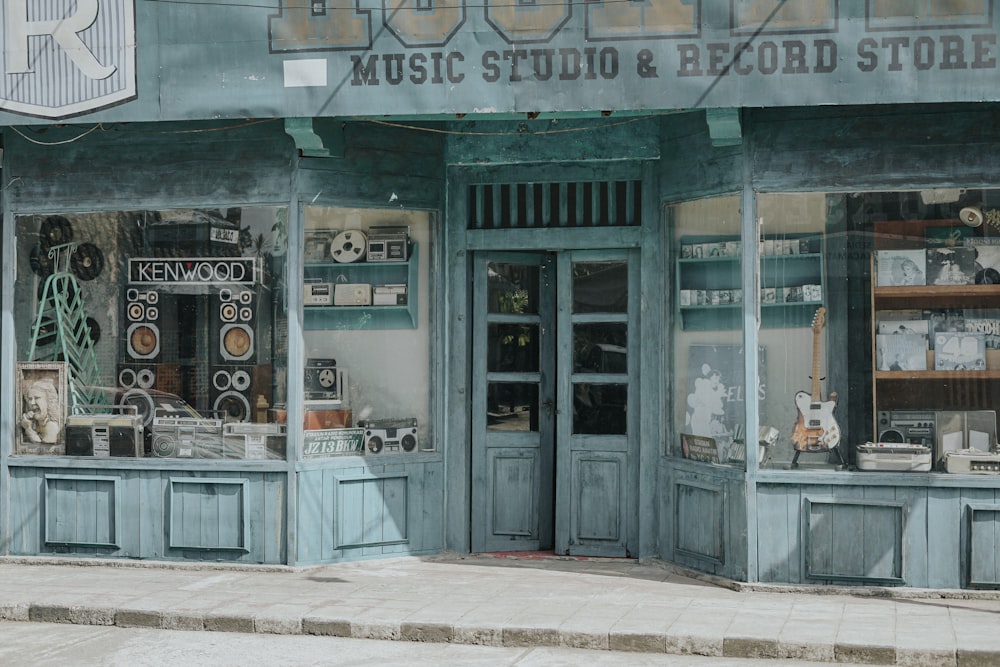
<point>937,375</point>
<point>365,317</point>
<point>936,296</point>
<point>772,316</point>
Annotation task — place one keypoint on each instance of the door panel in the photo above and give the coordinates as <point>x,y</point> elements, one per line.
<point>512,409</point>
<point>596,433</point>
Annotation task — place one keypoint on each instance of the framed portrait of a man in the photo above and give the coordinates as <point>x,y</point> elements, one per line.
<point>41,407</point>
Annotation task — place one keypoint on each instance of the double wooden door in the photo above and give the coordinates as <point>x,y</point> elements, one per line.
<point>552,412</point>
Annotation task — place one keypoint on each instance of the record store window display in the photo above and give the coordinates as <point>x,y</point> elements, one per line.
<point>366,332</point>
<point>169,328</point>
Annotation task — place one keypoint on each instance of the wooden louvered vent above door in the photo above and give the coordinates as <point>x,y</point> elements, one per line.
<point>540,205</point>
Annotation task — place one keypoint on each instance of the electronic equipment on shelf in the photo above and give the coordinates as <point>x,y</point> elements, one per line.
<point>317,294</point>
<point>972,462</point>
<point>114,431</point>
<point>388,244</point>
<point>352,294</point>
<point>389,295</point>
<point>894,457</point>
<point>915,427</point>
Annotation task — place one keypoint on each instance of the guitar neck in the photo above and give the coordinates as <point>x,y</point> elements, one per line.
<point>815,393</point>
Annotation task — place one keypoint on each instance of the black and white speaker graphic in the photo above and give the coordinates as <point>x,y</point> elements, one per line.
<point>232,389</point>
<point>137,376</point>
<point>236,325</point>
<point>142,339</point>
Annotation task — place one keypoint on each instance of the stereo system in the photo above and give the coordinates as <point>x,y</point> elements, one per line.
<point>943,431</point>
<point>114,431</point>
<point>186,437</point>
<point>254,441</point>
<point>388,244</point>
<point>389,434</point>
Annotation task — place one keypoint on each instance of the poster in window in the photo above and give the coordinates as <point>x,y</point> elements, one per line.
<point>41,407</point>
<point>716,400</point>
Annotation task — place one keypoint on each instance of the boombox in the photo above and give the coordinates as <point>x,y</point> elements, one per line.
<point>388,244</point>
<point>914,427</point>
<point>325,382</point>
<point>390,434</point>
<point>254,441</point>
<point>116,431</point>
<point>317,294</point>
<point>187,437</point>
<point>352,294</point>
<point>389,295</point>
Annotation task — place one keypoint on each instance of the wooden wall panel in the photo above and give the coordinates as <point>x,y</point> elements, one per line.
<point>691,167</point>
<point>146,507</point>
<point>354,507</point>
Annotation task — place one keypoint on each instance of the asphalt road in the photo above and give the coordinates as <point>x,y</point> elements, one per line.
<point>50,644</point>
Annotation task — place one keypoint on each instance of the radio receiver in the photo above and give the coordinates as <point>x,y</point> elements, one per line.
<point>388,244</point>
<point>352,294</point>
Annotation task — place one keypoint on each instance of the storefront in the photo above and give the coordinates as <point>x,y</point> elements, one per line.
<point>356,297</point>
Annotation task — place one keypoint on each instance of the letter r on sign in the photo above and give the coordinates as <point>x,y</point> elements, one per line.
<point>65,32</point>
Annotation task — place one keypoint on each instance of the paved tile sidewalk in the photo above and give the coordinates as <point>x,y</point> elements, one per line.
<point>595,604</point>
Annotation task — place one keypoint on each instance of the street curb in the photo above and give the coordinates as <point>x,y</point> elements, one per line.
<point>510,636</point>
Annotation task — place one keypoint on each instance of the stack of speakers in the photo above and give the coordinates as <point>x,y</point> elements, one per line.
<point>234,373</point>
<point>138,374</point>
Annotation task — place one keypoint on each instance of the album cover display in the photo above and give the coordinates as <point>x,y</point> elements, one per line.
<point>901,352</point>
<point>901,267</point>
<point>959,352</point>
<point>951,266</point>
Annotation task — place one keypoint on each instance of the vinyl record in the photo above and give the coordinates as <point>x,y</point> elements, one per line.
<point>87,262</point>
<point>39,260</point>
<point>55,230</point>
<point>95,329</point>
<point>349,245</point>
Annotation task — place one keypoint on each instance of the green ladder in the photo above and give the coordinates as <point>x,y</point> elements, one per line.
<point>61,331</point>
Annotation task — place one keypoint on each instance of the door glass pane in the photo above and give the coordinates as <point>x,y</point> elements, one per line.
<point>512,406</point>
<point>513,288</point>
<point>512,348</point>
<point>599,408</point>
<point>600,348</point>
<point>600,287</point>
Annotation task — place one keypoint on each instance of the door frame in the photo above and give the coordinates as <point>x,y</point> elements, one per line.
<point>454,374</point>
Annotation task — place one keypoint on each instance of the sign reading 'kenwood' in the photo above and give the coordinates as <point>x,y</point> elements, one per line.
<point>192,270</point>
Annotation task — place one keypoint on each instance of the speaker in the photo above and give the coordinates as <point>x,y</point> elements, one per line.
<point>234,391</point>
<point>236,316</point>
<point>142,314</point>
<point>162,377</point>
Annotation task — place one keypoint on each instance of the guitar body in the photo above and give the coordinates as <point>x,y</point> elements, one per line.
<point>816,429</point>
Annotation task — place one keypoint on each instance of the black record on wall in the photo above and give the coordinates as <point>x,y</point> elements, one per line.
<point>87,262</point>
<point>55,230</point>
<point>95,329</point>
<point>39,259</point>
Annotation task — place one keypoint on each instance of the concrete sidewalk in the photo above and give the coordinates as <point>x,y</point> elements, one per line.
<point>596,604</point>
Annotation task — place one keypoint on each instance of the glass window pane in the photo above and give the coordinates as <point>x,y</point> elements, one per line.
<point>169,326</point>
<point>367,351</point>
<point>513,288</point>
<point>600,348</point>
<point>512,406</point>
<point>600,408</point>
<point>600,287</point>
<point>709,404</point>
<point>512,348</point>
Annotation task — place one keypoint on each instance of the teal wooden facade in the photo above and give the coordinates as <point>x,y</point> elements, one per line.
<point>574,185</point>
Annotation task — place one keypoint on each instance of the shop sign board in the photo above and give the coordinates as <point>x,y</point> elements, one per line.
<point>327,58</point>
<point>332,442</point>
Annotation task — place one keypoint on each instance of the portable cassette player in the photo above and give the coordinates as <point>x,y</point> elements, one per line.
<point>388,244</point>
<point>914,427</point>
<point>116,432</point>
<point>389,434</point>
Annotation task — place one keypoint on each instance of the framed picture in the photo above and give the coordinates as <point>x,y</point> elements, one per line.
<point>41,407</point>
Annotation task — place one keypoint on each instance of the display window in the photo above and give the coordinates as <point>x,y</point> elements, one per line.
<point>709,404</point>
<point>366,332</point>
<point>878,325</point>
<point>158,334</point>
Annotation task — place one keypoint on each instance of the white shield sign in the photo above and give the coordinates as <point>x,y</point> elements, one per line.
<point>63,58</point>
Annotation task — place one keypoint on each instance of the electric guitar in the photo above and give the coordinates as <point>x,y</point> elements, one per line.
<point>816,429</point>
